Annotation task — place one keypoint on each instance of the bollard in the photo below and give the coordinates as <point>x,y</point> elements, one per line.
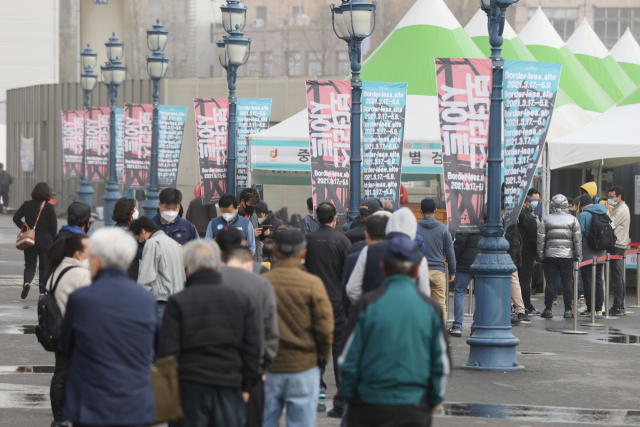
<point>607,282</point>
<point>624,276</point>
<point>593,296</point>
<point>575,331</point>
<point>637,282</point>
<point>471,286</point>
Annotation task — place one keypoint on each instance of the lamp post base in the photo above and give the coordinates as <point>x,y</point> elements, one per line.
<point>110,198</point>
<point>150,205</point>
<point>85,192</point>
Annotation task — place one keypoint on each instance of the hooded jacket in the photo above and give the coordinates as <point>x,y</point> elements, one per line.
<point>367,275</point>
<point>161,270</point>
<point>559,234</point>
<point>592,189</point>
<point>585,218</point>
<point>438,244</point>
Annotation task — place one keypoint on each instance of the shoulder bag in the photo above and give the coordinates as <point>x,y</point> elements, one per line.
<point>27,237</point>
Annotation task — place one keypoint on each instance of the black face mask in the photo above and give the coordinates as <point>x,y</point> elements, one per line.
<point>249,209</point>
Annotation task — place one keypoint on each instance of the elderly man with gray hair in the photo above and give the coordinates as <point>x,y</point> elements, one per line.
<point>109,331</point>
<point>212,331</point>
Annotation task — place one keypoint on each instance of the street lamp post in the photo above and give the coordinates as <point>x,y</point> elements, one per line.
<point>493,346</point>
<point>233,51</point>
<point>157,66</point>
<point>353,18</point>
<point>88,81</point>
<point>114,73</point>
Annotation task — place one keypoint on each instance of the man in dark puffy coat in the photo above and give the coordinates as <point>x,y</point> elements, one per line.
<point>529,237</point>
<point>512,234</point>
<point>466,249</point>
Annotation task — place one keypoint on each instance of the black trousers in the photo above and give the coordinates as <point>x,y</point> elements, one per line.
<point>585,272</point>
<point>58,384</point>
<point>525,273</point>
<point>255,406</point>
<point>207,406</point>
<point>553,266</point>
<point>617,279</point>
<point>360,414</point>
<point>340,322</point>
<point>34,257</point>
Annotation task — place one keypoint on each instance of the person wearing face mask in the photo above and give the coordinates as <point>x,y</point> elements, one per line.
<point>168,220</point>
<point>248,199</point>
<point>620,218</point>
<point>124,213</point>
<point>229,218</point>
<point>267,238</point>
<point>529,236</point>
<point>69,261</point>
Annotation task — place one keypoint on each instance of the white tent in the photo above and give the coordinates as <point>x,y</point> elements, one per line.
<point>627,53</point>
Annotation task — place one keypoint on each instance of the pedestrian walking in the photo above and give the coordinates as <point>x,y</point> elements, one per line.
<point>379,389</point>
<point>512,235</point>
<point>124,213</point>
<point>78,220</point>
<point>438,247</point>
<point>230,238</point>
<point>309,223</point>
<point>306,322</point>
<point>621,220</point>
<point>271,226</point>
<point>37,214</point>
<point>168,220</point>
<point>248,198</point>
<point>161,269</point>
<point>69,261</point>
<point>108,331</point>
<point>466,249</point>
<point>229,218</point>
<point>367,208</point>
<point>5,183</point>
<point>238,273</point>
<point>199,214</point>
<point>326,254</point>
<point>211,328</point>
<point>529,236</point>
<point>559,245</point>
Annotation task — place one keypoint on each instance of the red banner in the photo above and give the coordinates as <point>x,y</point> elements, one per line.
<point>97,135</point>
<point>138,120</point>
<point>72,143</point>
<point>329,107</point>
<point>212,131</point>
<point>464,98</point>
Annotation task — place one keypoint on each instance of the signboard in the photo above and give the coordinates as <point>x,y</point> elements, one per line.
<point>329,109</point>
<point>384,107</point>
<point>212,128</point>
<point>171,130</point>
<point>26,154</point>
<point>120,144</point>
<point>253,117</point>
<point>530,90</point>
<point>97,134</point>
<point>138,120</point>
<point>72,143</point>
<point>464,92</point>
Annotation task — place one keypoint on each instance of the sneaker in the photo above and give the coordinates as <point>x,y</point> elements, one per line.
<point>568,314</point>
<point>322,407</point>
<point>323,393</point>
<point>598,314</point>
<point>333,413</point>
<point>25,290</point>
<point>555,302</point>
<point>546,314</point>
<point>524,318</point>
<point>583,310</point>
<point>581,299</point>
<point>515,320</point>
<point>513,309</point>
<point>616,312</point>
<point>455,332</point>
<point>532,311</point>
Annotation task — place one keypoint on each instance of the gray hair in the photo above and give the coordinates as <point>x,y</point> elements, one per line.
<point>201,255</point>
<point>114,247</point>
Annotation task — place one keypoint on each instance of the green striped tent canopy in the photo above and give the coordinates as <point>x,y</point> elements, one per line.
<point>627,53</point>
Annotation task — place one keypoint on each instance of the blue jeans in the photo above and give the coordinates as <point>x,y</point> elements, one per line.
<point>461,285</point>
<point>298,391</point>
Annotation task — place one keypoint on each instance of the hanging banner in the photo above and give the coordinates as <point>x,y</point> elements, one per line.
<point>329,109</point>
<point>530,90</point>
<point>253,117</point>
<point>212,129</point>
<point>26,154</point>
<point>464,99</point>
<point>72,143</point>
<point>120,144</point>
<point>97,134</point>
<point>384,107</point>
<point>171,127</point>
<point>138,120</point>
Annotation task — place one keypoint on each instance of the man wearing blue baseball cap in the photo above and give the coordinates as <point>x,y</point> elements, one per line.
<point>378,389</point>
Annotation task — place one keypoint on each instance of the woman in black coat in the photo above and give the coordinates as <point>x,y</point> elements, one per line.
<point>45,230</point>
<point>124,212</point>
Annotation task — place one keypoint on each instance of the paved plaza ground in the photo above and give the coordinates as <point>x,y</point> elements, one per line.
<point>567,380</point>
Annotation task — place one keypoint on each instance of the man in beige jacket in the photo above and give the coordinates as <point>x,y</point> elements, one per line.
<point>620,218</point>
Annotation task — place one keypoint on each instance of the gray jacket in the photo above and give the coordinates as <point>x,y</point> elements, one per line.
<point>161,270</point>
<point>559,234</point>
<point>263,299</point>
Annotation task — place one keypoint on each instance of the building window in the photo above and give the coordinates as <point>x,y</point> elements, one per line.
<point>252,67</point>
<point>267,64</point>
<point>261,16</point>
<point>610,23</point>
<point>294,63</point>
<point>344,65</point>
<point>314,64</point>
<point>564,20</point>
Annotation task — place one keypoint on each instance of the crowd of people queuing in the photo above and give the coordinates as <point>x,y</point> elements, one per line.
<point>254,309</point>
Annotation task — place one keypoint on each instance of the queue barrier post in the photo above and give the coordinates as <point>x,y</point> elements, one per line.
<point>446,292</point>
<point>607,282</point>
<point>637,282</point>
<point>472,285</point>
<point>575,331</point>
<point>593,323</point>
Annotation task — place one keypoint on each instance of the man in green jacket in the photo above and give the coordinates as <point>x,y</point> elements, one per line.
<point>396,362</point>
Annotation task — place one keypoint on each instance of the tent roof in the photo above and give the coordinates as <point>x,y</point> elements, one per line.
<point>545,44</point>
<point>584,41</point>
<point>429,12</point>
<point>627,53</point>
<point>477,27</point>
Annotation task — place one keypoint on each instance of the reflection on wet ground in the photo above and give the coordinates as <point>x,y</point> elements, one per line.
<point>24,396</point>
<point>19,330</point>
<point>620,338</point>
<point>41,369</point>
<point>542,414</point>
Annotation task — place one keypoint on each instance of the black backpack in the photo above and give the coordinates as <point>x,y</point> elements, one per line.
<point>49,315</point>
<point>601,235</point>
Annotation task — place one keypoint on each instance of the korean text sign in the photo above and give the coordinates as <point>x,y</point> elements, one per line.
<point>171,130</point>
<point>97,138</point>
<point>253,117</point>
<point>72,143</point>
<point>120,144</point>
<point>212,129</point>
<point>464,99</point>
<point>138,120</point>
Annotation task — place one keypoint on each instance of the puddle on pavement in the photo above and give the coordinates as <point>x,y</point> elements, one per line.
<point>20,330</point>
<point>41,369</point>
<point>24,396</point>
<point>542,414</point>
<point>620,338</point>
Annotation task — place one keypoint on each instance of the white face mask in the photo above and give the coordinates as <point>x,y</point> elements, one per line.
<point>534,205</point>
<point>135,214</point>
<point>228,216</point>
<point>261,220</point>
<point>85,263</point>
<point>169,216</point>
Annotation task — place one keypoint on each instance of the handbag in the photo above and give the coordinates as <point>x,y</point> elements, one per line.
<point>166,390</point>
<point>27,238</point>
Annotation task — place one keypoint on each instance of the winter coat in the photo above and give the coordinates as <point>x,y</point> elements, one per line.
<point>529,236</point>
<point>47,224</point>
<point>585,218</point>
<point>161,270</point>
<point>212,330</point>
<point>592,189</point>
<point>181,230</point>
<point>559,234</point>
<point>135,264</point>
<point>309,224</point>
<point>621,218</point>
<point>200,215</point>
<point>438,244</point>
<point>269,242</point>
<point>305,318</point>
<point>326,253</point>
<point>466,249</point>
<point>78,277</point>
<point>512,234</point>
<point>5,181</point>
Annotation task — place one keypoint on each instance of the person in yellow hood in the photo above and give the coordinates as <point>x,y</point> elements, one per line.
<point>591,188</point>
